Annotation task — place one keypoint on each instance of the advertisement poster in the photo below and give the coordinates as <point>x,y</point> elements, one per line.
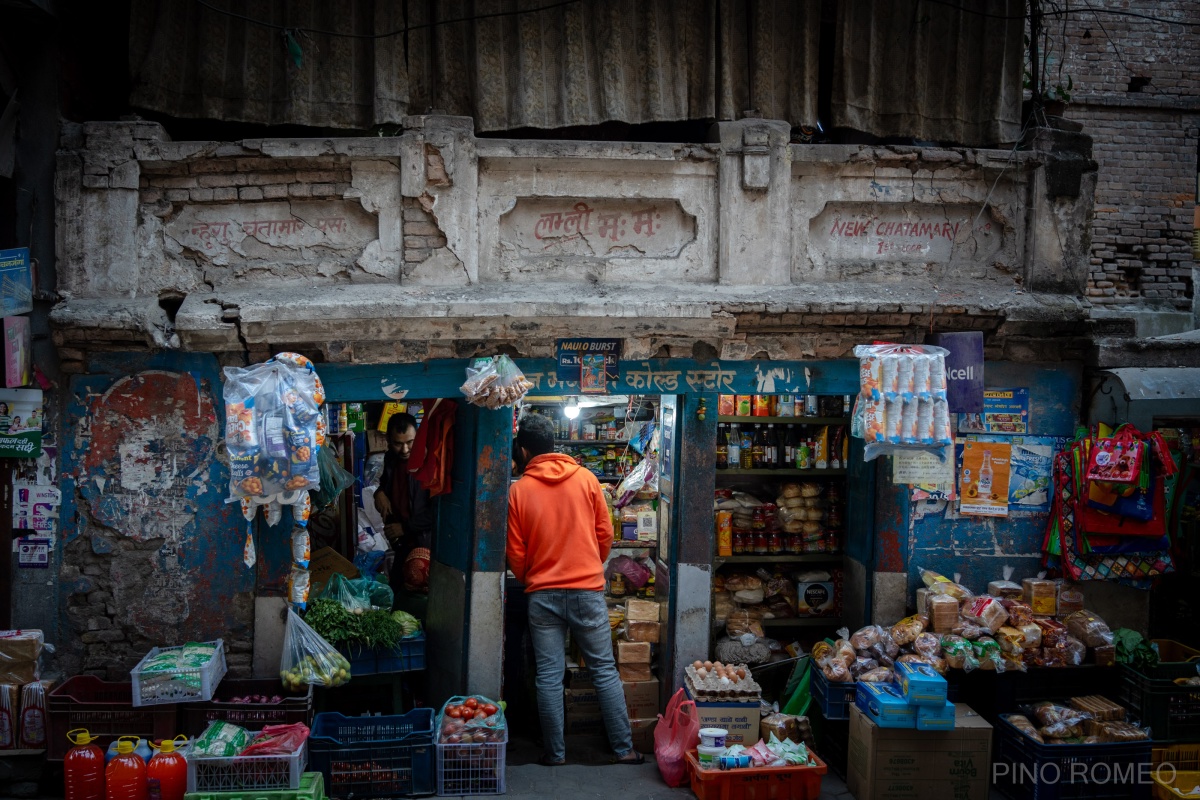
<point>35,508</point>
<point>20,423</point>
<point>33,553</point>
<point>930,477</point>
<point>16,282</point>
<point>984,478</point>
<point>964,369</point>
<point>1032,468</point>
<point>571,353</point>
<point>593,378</point>
<point>1004,411</point>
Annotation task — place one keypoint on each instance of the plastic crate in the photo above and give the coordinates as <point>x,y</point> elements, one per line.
<point>834,699</point>
<point>1169,786</point>
<point>1171,711</point>
<point>756,783</point>
<point>1171,651</point>
<point>106,709</point>
<point>295,707</point>
<point>239,773</point>
<point>1022,769</point>
<point>178,685</point>
<point>471,769</point>
<point>374,756</point>
<point>409,656</point>
<point>312,787</point>
<point>1183,756</point>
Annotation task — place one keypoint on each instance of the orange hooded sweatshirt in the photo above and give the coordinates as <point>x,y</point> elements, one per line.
<point>559,530</point>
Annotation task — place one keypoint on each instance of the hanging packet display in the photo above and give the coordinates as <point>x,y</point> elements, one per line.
<point>902,401</point>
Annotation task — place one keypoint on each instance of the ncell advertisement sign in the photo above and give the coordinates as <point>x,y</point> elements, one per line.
<point>964,369</point>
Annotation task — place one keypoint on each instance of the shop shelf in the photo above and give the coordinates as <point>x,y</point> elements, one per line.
<point>1026,770</point>
<point>1171,711</point>
<point>106,709</point>
<point>471,769</point>
<point>781,473</point>
<point>757,783</point>
<point>1170,651</point>
<point>294,707</point>
<point>630,545</point>
<point>240,773</point>
<point>833,699</point>
<point>803,558</point>
<point>177,685</point>
<point>1169,784</point>
<point>312,787</point>
<point>365,757</point>
<point>787,420</point>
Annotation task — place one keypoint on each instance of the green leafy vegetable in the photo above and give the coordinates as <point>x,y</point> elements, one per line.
<point>410,624</point>
<point>1133,650</point>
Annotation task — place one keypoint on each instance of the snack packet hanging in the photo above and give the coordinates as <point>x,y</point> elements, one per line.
<point>495,383</point>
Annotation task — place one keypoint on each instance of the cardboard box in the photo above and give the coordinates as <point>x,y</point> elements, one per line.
<point>324,563</point>
<point>633,652</point>
<point>641,698</point>
<point>636,631</point>
<point>585,700</point>
<point>635,673</point>
<point>905,765</point>
<point>883,704</point>
<point>643,734</point>
<point>931,718</point>
<point>817,599</point>
<point>921,685</point>
<point>740,720</point>
<point>641,610</point>
<point>578,678</point>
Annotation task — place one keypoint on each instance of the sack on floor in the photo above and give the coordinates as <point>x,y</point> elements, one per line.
<point>678,731</point>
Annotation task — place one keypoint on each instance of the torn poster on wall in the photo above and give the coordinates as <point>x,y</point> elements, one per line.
<point>930,477</point>
<point>35,508</point>
<point>33,553</point>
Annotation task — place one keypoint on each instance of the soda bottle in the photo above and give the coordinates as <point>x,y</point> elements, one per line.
<point>83,767</point>
<point>125,775</point>
<point>758,458</point>
<point>985,474</point>
<point>169,768</point>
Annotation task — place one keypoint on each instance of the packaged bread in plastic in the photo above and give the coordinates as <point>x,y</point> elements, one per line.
<point>959,653</point>
<point>1101,708</point>
<point>928,645</point>
<point>1006,588</point>
<point>743,621</point>
<point>943,612</point>
<point>1054,633</point>
<point>878,675</point>
<point>1026,727</point>
<point>969,630</point>
<point>1122,732</point>
<point>1011,640</point>
<point>863,664</point>
<point>987,650</point>
<point>986,611</point>
<point>1106,655</point>
<point>1058,721</point>
<point>908,629</point>
<point>1087,627</point>
<point>940,584</point>
<point>1041,595</point>
<point>1019,612</point>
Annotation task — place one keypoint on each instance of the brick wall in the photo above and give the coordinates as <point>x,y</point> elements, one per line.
<point>233,179</point>
<point>1137,93</point>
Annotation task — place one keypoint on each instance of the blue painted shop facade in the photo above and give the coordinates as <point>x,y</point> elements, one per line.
<point>143,468</point>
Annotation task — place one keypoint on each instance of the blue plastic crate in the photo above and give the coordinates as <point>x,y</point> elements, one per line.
<point>408,657</point>
<point>1022,769</point>
<point>365,757</point>
<point>834,699</point>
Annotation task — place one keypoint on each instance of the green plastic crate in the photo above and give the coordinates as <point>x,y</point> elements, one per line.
<point>312,787</point>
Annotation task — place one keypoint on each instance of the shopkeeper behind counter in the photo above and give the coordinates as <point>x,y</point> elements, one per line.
<point>405,507</point>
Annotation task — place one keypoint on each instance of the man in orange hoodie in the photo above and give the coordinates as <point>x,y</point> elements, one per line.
<point>559,533</point>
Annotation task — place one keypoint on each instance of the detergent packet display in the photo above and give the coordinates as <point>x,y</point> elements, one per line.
<point>902,401</point>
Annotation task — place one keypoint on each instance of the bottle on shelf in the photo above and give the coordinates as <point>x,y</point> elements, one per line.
<point>733,446</point>
<point>810,405</point>
<point>846,401</point>
<point>758,458</point>
<point>804,454</point>
<point>787,405</point>
<point>787,448</point>
<point>746,451</point>
<point>771,447</point>
<point>722,447</point>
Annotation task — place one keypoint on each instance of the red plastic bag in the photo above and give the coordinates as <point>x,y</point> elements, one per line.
<point>277,740</point>
<point>678,732</point>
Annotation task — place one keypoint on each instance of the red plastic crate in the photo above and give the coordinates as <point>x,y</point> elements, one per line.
<point>295,707</point>
<point>757,783</point>
<point>106,709</point>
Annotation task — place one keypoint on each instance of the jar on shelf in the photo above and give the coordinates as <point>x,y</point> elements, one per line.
<point>775,543</point>
<point>761,545</point>
<point>758,519</point>
<point>743,544</point>
<point>795,543</point>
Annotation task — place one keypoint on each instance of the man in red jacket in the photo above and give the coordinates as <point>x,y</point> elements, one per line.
<point>559,533</point>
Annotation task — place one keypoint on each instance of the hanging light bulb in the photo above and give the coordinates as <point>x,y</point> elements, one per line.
<point>571,410</point>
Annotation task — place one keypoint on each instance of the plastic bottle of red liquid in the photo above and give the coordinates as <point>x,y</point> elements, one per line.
<point>125,775</point>
<point>83,768</point>
<point>169,767</point>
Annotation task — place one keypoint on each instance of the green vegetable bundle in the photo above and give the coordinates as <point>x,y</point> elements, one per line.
<point>375,629</point>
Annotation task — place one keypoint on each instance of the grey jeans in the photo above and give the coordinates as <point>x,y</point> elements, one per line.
<point>551,613</point>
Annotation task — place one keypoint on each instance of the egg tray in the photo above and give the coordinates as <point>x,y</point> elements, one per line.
<point>742,691</point>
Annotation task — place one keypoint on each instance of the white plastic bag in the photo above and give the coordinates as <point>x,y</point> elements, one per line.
<point>308,658</point>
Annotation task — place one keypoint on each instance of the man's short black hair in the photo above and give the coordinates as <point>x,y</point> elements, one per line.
<point>536,434</point>
<point>399,423</point>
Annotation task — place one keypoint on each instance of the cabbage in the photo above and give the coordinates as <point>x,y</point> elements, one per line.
<point>410,624</point>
